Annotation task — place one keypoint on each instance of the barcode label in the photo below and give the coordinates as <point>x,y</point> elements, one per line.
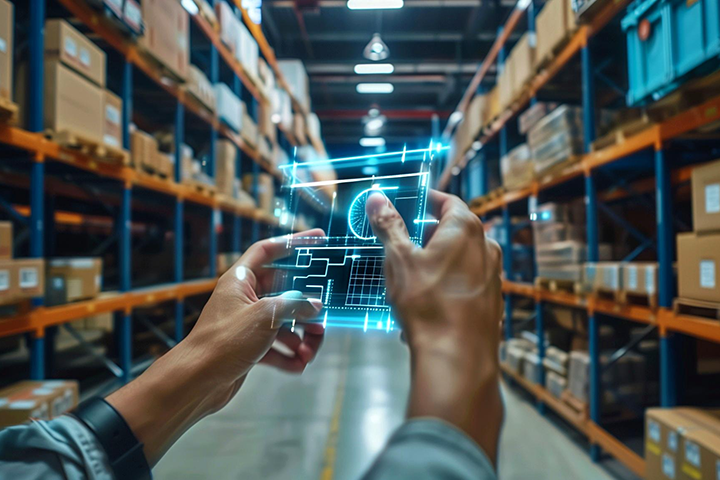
<point>632,278</point>
<point>4,280</point>
<point>112,114</point>
<point>70,47</point>
<point>668,466</point>
<point>28,277</point>
<point>692,453</point>
<point>707,273</point>
<point>712,198</point>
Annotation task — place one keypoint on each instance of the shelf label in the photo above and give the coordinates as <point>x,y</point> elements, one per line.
<point>3,45</point>
<point>85,57</point>
<point>707,274</point>
<point>712,198</point>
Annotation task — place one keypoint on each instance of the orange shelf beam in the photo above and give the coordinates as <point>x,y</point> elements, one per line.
<point>690,325</point>
<point>617,449</point>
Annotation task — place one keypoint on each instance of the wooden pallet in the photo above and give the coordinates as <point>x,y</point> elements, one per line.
<point>8,112</point>
<point>622,132</point>
<point>159,65</point>
<point>692,93</point>
<point>698,308</point>
<point>642,299</point>
<point>559,286</point>
<point>201,187</point>
<point>91,147</point>
<point>606,294</point>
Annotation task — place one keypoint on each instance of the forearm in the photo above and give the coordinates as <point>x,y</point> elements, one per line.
<point>171,396</point>
<point>459,385</point>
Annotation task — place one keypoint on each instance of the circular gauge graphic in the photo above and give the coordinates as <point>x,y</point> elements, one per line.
<point>357,220</point>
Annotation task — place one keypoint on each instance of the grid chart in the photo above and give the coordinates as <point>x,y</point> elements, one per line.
<point>367,282</point>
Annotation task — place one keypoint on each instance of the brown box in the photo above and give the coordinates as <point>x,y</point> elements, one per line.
<point>506,82</point>
<point>143,148</point>
<point>167,34</point>
<point>164,164</point>
<point>225,160</point>
<point>554,23</point>
<point>698,261</point>
<point>112,127</point>
<point>701,448</point>
<point>265,190</point>
<point>523,63</point>
<point>6,49</point>
<point>6,240</point>
<point>200,87</point>
<point>74,50</point>
<point>8,290</point>
<point>706,197</point>
<point>249,131</point>
<point>39,400</point>
<point>21,279</point>
<point>72,103</point>
<point>82,276</point>
<point>664,428</point>
<point>474,117</point>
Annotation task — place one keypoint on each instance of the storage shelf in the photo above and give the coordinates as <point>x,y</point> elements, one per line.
<point>580,420</point>
<point>38,319</point>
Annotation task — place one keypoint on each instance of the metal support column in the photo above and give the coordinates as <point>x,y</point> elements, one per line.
<point>666,283</point>
<point>588,98</point>
<point>37,357</point>
<point>595,379</point>
<point>124,324</point>
<point>507,268</point>
<point>36,73</point>
<point>37,239</point>
<point>127,104</point>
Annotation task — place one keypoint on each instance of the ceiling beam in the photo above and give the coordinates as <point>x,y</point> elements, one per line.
<point>452,36</point>
<point>404,114</point>
<point>418,66</point>
<point>407,3</point>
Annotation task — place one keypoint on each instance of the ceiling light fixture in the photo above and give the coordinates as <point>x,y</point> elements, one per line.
<point>374,88</point>
<point>190,6</point>
<point>372,142</point>
<point>374,4</point>
<point>376,49</point>
<point>375,124</point>
<point>374,112</point>
<point>374,68</point>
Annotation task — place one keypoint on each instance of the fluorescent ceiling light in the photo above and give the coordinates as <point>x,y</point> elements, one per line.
<point>372,142</point>
<point>374,4</point>
<point>374,112</point>
<point>374,88</point>
<point>190,6</point>
<point>374,68</point>
<point>375,124</point>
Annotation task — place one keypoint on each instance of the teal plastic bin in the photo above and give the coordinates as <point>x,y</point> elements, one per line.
<point>667,40</point>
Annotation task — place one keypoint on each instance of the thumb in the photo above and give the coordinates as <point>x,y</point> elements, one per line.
<point>290,306</point>
<point>386,222</point>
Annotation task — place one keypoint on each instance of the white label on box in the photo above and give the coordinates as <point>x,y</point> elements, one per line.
<point>4,279</point>
<point>654,431</point>
<point>632,278</point>
<point>70,47</point>
<point>42,391</point>
<point>28,277</point>
<point>110,140</point>
<point>673,441</point>
<point>650,279</point>
<point>3,402</point>
<point>692,453</point>
<point>707,273</point>
<point>85,57</point>
<point>22,404</point>
<point>3,45</point>
<point>668,466</point>
<point>712,198</point>
<point>112,114</point>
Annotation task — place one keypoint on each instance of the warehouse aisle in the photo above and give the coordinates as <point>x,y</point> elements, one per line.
<point>332,421</point>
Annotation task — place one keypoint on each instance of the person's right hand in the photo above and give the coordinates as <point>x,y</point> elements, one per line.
<point>448,299</point>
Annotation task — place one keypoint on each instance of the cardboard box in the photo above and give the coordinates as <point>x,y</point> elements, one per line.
<point>706,197</point>
<point>228,25</point>
<point>523,63</point>
<point>247,53</point>
<point>266,126</point>
<point>167,34</point>
<point>143,148</point>
<point>164,164</point>
<point>603,276</point>
<point>38,400</point>
<point>6,240</point>
<point>249,131</point>
<point>82,276</point>
<point>21,279</point>
<point>698,266</point>
<point>505,84</point>
<point>75,50</point>
<point>228,106</point>
<point>493,105</point>
<point>265,190</point>
<point>200,87</point>
<point>72,103</point>
<point>640,277</point>
<point>186,163</point>
<point>296,76</point>
<point>554,24</point>
<point>112,127</point>
<point>474,116</point>
<point>8,290</point>
<point>6,49</point>
<point>225,162</point>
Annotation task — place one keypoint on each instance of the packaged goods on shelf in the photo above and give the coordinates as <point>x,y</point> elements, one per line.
<point>281,109</point>
<point>475,116</point>
<point>571,213</point>
<point>200,87</point>
<point>515,358</point>
<point>112,128</point>
<point>42,400</point>
<point>187,156</point>
<point>523,63</point>
<point>532,367</point>
<point>681,38</point>
<point>556,138</point>
<point>505,84</point>
<point>554,24</point>
<point>74,50</point>
<point>207,12</point>
<point>555,384</point>
<point>6,54</point>
<point>568,252</point>
<point>266,126</point>
<point>556,360</point>
<point>228,25</point>
<point>279,156</point>
<point>517,167</point>
<point>296,77</point>
<point>228,106</point>
<point>640,277</point>
<point>569,273</point>
<point>132,16</point>
<point>78,278</point>
<point>22,278</point>
<point>265,190</point>
<point>706,197</point>
<point>586,9</point>
<point>164,164</point>
<point>243,197</point>
<point>578,375</point>
<point>143,148</point>
<point>552,232</point>
<point>249,131</point>
<point>533,115</point>
<point>267,77</point>
<point>247,53</point>
<point>493,109</point>
<point>603,276</point>
<point>167,35</point>
<point>6,240</point>
<point>698,259</point>
<point>558,149</point>
<point>225,162</point>
<point>227,260</point>
<point>264,148</point>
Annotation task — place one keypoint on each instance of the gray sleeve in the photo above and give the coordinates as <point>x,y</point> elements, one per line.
<point>430,449</point>
<point>52,450</point>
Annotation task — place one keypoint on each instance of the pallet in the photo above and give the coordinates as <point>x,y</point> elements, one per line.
<point>649,300</point>
<point>201,188</point>
<point>690,94</point>
<point>159,65</point>
<point>606,294</point>
<point>552,55</point>
<point>557,170</point>
<point>698,308</point>
<point>8,112</point>
<point>622,132</point>
<point>90,147</point>
<point>559,286</point>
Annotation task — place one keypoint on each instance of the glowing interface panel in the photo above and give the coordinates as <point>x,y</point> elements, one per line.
<point>345,268</point>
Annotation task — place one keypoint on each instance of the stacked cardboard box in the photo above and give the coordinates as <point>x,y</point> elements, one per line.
<point>230,109</point>
<point>19,278</point>
<point>492,109</point>
<point>146,156</point>
<point>554,24</point>
<point>27,400</point>
<point>267,78</point>
<point>517,167</point>
<point>638,278</point>
<point>556,370</point>
<point>6,53</point>
<point>698,253</point>
<point>167,35</point>
<point>475,116</point>
<point>72,279</point>
<point>506,81</point>
<point>557,138</point>
<point>225,161</point>
<point>533,115</point>
<point>682,443</point>
<point>296,77</point>
<point>228,23</point>
<point>200,87</point>
<point>523,55</point>
<point>247,53</point>
<point>265,190</point>
<point>249,131</point>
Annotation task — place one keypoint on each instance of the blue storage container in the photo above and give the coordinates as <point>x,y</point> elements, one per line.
<point>666,40</point>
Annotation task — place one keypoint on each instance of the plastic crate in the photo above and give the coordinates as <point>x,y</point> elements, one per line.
<point>666,40</point>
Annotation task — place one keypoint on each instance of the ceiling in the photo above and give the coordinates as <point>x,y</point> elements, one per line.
<point>435,46</point>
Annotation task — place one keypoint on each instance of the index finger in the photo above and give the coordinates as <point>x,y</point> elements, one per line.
<point>451,213</point>
<point>275,248</point>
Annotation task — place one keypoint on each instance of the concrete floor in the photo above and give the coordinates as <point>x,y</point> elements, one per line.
<point>330,423</point>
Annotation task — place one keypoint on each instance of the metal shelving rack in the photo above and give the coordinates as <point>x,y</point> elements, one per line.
<point>39,321</point>
<point>653,139</point>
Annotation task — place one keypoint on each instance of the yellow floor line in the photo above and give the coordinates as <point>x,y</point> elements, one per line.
<point>328,470</point>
